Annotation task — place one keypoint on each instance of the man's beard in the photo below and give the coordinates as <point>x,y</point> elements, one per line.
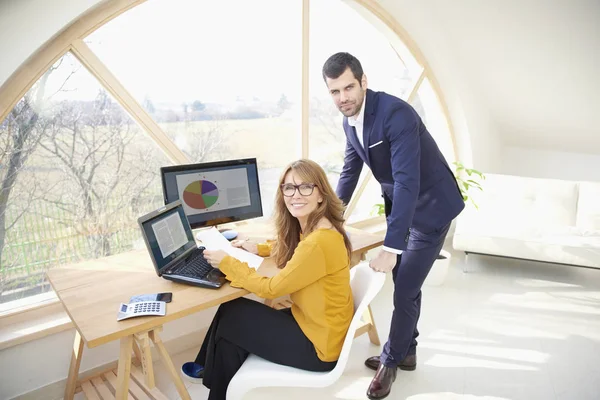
<point>353,111</point>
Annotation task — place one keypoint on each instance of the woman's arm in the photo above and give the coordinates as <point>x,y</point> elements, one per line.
<point>306,266</point>
<point>263,249</point>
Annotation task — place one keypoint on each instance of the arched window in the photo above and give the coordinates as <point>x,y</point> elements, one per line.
<point>204,80</point>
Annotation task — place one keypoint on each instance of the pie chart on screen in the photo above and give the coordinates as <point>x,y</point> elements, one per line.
<point>200,194</point>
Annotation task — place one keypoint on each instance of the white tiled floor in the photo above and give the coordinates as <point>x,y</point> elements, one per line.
<point>507,329</point>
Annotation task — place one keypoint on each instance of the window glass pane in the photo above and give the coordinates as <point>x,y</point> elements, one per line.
<point>221,78</point>
<point>398,45</point>
<point>432,114</point>
<point>383,67</point>
<point>76,174</point>
<point>366,207</point>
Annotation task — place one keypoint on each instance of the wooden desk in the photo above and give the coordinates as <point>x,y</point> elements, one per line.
<point>92,291</point>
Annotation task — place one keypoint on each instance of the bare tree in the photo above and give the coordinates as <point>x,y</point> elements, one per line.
<point>206,143</point>
<point>21,134</point>
<point>327,116</point>
<point>102,173</point>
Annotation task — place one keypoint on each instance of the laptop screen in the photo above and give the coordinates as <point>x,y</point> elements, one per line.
<point>168,235</point>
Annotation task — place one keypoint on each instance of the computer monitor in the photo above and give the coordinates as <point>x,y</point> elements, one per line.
<point>215,192</point>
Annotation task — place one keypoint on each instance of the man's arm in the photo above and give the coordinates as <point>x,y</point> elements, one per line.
<point>353,165</point>
<point>402,131</point>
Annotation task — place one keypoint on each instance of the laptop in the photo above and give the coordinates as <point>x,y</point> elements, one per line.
<point>173,250</point>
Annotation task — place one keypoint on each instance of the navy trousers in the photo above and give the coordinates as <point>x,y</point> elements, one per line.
<point>410,272</point>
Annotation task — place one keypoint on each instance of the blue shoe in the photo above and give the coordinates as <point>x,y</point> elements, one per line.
<point>192,372</point>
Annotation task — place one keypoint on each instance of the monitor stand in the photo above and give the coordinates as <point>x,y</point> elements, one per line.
<point>229,233</point>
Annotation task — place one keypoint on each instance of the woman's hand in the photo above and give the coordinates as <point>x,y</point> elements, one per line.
<point>214,257</point>
<point>250,247</point>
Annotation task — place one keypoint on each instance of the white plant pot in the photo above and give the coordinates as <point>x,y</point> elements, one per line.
<point>439,270</point>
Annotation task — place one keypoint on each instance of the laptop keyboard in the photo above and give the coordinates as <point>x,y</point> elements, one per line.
<point>196,266</point>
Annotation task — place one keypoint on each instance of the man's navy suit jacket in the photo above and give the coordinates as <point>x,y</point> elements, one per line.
<point>407,163</point>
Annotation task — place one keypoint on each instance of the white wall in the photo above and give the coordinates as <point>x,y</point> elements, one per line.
<point>523,71</point>
<point>39,363</point>
<point>26,24</point>
<point>433,26</point>
<point>537,163</point>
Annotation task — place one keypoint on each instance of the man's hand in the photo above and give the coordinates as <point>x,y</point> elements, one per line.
<point>384,262</point>
<point>214,257</point>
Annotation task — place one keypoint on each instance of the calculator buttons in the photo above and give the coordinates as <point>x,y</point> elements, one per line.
<point>142,308</point>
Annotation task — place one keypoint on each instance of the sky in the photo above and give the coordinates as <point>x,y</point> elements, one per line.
<point>173,51</point>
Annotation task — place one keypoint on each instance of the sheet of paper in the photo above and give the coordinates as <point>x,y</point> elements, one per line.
<point>213,240</point>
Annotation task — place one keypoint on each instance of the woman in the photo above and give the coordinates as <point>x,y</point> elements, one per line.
<point>313,252</point>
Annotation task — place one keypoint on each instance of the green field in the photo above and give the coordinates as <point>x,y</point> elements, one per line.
<point>273,141</point>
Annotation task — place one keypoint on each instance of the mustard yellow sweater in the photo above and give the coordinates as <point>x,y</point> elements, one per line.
<point>317,278</point>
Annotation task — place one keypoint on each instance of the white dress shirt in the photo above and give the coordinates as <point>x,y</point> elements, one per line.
<point>358,123</point>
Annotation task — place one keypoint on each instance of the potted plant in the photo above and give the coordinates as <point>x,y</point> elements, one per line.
<point>466,183</point>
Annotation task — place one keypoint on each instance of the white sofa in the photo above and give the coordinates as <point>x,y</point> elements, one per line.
<point>537,219</point>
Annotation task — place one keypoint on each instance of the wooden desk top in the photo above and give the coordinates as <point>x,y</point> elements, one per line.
<point>361,241</point>
<point>92,291</point>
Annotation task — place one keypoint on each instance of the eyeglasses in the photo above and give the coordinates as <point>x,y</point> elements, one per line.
<point>305,189</point>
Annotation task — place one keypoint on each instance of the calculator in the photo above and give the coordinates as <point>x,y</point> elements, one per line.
<point>141,308</point>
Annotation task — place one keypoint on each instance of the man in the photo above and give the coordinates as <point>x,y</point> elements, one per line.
<point>421,198</point>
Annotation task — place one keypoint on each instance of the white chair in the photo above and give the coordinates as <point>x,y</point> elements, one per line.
<point>257,372</point>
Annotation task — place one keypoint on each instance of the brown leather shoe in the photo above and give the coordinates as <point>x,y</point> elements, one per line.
<point>381,385</point>
<point>408,364</point>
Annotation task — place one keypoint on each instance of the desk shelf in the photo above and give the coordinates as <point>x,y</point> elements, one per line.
<point>103,386</point>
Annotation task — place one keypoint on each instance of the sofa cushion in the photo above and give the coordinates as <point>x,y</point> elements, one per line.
<point>565,252</point>
<point>512,202</point>
<point>569,236</point>
<point>588,206</point>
